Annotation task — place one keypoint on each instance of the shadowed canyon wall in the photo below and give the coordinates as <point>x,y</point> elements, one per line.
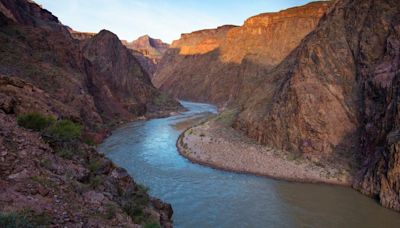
<point>97,79</point>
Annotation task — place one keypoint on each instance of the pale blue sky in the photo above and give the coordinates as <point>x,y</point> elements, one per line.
<point>165,19</point>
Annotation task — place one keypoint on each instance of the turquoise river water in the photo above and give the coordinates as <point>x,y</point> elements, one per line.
<point>206,197</point>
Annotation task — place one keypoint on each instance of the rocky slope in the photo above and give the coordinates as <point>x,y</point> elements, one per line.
<point>95,82</point>
<point>336,95</point>
<point>148,51</point>
<point>42,188</point>
<point>214,62</point>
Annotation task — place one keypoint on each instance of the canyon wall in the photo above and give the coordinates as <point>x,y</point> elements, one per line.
<point>97,77</point>
<point>212,63</point>
<point>319,80</point>
<point>336,94</point>
<point>148,51</point>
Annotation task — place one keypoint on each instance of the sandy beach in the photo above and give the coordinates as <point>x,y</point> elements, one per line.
<point>218,146</point>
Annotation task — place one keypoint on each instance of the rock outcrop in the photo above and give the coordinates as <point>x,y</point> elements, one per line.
<point>148,51</point>
<point>115,78</point>
<point>214,62</point>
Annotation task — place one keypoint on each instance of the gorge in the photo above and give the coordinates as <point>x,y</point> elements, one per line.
<point>307,94</point>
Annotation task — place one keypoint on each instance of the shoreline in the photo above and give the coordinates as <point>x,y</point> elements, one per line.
<point>209,155</point>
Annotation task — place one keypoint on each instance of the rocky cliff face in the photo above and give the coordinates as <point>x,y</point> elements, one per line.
<point>148,51</point>
<point>214,62</point>
<point>95,82</point>
<point>336,96</point>
<point>115,78</point>
<point>76,73</point>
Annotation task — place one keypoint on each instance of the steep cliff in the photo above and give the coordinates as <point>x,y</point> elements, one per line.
<point>37,48</point>
<point>214,62</point>
<point>115,78</point>
<point>148,51</point>
<point>336,95</point>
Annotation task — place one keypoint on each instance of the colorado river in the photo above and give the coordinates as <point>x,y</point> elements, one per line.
<point>205,197</point>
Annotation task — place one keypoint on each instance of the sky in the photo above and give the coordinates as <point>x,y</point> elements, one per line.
<point>164,19</point>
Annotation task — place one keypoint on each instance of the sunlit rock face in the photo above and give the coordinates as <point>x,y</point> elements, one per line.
<point>336,95</point>
<point>214,62</point>
<point>148,51</point>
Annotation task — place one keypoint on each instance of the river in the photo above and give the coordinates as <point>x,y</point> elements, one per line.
<point>206,197</point>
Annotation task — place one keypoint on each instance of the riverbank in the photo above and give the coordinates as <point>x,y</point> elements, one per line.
<point>213,143</point>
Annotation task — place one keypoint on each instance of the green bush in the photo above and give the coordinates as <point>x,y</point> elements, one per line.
<point>152,225</point>
<point>35,121</point>
<point>96,181</point>
<point>135,203</point>
<point>110,211</point>
<point>14,221</point>
<point>63,131</point>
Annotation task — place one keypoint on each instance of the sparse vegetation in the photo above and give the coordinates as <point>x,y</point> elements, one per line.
<point>63,131</point>
<point>35,121</point>
<point>27,218</point>
<point>162,99</point>
<point>89,142</point>
<point>14,221</point>
<point>94,165</point>
<point>135,203</point>
<point>96,181</point>
<point>227,117</point>
<point>110,211</point>
<point>152,225</point>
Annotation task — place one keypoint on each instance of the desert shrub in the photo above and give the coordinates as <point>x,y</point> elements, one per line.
<point>36,218</point>
<point>135,203</point>
<point>89,141</point>
<point>110,211</point>
<point>65,152</point>
<point>26,218</point>
<point>94,165</point>
<point>152,225</point>
<point>14,221</point>
<point>161,99</point>
<point>35,121</point>
<point>63,131</point>
<point>96,181</point>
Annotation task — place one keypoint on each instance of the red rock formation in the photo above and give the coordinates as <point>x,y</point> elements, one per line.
<point>148,51</point>
<point>337,94</point>
<point>36,47</point>
<point>115,78</point>
<point>214,62</point>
